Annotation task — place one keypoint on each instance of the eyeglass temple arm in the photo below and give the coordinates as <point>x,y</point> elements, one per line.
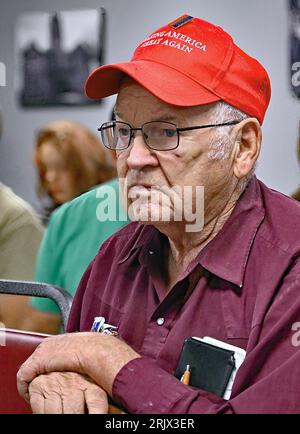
<point>208,126</point>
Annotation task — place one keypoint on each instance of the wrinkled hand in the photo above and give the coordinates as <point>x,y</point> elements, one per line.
<point>96,355</point>
<point>66,393</point>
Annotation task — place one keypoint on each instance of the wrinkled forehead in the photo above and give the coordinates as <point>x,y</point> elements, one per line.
<point>134,101</point>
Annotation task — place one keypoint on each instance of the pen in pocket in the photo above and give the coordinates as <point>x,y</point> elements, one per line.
<point>185,379</point>
<point>99,326</point>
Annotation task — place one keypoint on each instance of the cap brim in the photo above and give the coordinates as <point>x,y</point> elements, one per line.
<point>166,83</point>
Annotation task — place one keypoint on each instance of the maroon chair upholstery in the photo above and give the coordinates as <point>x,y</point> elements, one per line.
<point>15,347</point>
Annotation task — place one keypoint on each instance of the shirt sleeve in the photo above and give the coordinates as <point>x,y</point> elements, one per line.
<point>275,393</point>
<point>19,251</point>
<point>163,393</point>
<point>267,382</point>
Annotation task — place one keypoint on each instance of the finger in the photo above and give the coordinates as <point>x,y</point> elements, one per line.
<point>37,403</point>
<point>96,400</point>
<point>74,403</point>
<point>53,404</point>
<point>33,366</point>
<point>27,372</point>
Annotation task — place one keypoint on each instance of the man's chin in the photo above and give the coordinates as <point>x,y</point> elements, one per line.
<point>146,214</point>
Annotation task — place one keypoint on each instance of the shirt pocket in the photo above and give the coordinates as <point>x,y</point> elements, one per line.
<point>98,307</point>
<point>237,319</point>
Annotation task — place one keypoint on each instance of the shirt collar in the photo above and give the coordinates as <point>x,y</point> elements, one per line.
<point>142,235</point>
<point>227,254</point>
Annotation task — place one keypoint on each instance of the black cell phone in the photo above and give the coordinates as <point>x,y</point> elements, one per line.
<point>210,366</point>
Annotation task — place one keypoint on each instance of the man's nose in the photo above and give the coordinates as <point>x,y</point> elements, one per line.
<point>139,154</point>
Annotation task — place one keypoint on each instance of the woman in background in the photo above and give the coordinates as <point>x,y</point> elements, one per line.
<point>70,160</point>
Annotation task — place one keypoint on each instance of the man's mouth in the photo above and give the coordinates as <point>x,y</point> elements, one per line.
<point>138,189</point>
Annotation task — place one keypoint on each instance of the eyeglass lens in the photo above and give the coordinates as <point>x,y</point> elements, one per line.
<point>158,135</point>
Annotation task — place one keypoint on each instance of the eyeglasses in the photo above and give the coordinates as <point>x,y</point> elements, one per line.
<point>158,135</point>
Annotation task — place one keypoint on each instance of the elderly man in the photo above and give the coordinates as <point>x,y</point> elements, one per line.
<point>189,113</point>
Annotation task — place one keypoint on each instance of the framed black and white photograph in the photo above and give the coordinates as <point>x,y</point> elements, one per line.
<point>55,53</point>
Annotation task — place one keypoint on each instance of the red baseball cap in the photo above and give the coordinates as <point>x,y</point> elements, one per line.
<point>190,62</point>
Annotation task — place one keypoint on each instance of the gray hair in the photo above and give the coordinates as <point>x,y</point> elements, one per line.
<point>222,144</point>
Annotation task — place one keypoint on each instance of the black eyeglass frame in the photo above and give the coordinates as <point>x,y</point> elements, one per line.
<point>107,125</point>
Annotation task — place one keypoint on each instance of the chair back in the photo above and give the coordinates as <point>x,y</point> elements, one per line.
<point>16,345</point>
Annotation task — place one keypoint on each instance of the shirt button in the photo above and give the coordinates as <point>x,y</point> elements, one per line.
<point>160,321</point>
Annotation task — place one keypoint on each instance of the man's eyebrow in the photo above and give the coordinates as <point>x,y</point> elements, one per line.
<point>166,118</point>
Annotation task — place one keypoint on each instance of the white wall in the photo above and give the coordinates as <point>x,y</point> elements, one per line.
<point>260,27</point>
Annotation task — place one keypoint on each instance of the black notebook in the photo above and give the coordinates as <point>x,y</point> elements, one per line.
<point>211,367</point>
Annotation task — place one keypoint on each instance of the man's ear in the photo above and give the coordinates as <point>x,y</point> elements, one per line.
<point>247,143</point>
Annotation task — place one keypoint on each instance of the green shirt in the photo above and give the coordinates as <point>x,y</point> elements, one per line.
<point>73,237</point>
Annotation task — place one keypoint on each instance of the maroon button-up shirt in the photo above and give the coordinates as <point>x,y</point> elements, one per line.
<point>246,292</point>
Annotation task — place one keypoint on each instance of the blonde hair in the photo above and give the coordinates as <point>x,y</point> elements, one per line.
<point>82,152</point>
